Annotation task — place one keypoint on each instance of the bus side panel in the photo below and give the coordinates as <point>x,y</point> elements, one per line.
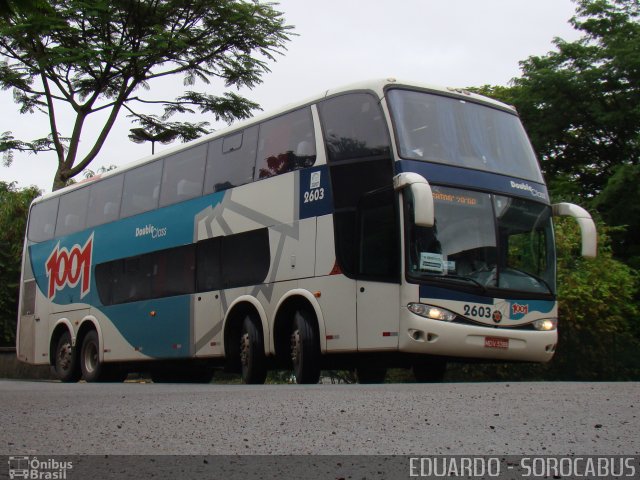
<point>33,332</point>
<point>337,301</point>
<point>207,338</point>
<point>325,246</point>
<point>26,341</point>
<point>292,250</point>
<point>158,328</point>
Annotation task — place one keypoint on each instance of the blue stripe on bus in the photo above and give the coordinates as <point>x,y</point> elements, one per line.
<point>155,230</point>
<point>517,308</point>
<point>464,177</point>
<point>428,292</point>
<point>157,328</point>
<point>165,335</point>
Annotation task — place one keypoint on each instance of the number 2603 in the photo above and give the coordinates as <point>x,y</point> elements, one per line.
<point>314,195</point>
<point>477,311</point>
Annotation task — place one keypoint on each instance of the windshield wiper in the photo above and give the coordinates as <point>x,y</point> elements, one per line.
<point>534,276</point>
<point>459,278</point>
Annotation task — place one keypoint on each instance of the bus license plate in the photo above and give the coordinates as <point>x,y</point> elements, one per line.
<point>496,342</point>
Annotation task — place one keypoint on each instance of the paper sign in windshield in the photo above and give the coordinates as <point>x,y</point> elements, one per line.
<point>431,262</point>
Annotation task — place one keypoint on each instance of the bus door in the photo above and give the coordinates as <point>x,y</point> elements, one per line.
<point>378,307</point>
<point>378,287</point>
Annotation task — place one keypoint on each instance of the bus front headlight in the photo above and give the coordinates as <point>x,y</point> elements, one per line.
<point>429,311</point>
<point>546,324</point>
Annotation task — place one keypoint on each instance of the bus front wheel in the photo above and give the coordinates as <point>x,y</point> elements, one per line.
<point>305,349</point>
<point>65,363</point>
<point>252,358</point>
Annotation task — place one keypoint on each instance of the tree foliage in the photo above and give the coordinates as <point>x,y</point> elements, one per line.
<point>619,205</point>
<point>14,207</point>
<point>599,333</point>
<point>581,102</point>
<point>99,57</point>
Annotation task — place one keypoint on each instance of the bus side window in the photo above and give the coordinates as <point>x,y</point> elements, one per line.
<point>231,160</point>
<point>42,220</point>
<point>359,157</point>
<point>209,269</point>
<point>183,175</point>
<point>354,127</point>
<point>72,213</point>
<point>378,237</point>
<point>245,258</point>
<point>141,189</point>
<point>104,201</point>
<point>286,143</point>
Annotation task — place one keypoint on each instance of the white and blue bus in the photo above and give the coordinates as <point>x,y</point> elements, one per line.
<point>388,224</point>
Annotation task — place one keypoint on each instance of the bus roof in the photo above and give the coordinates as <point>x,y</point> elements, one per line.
<point>378,86</point>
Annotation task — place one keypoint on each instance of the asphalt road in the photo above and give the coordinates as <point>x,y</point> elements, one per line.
<point>38,418</point>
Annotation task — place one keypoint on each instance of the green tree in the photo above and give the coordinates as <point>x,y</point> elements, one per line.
<point>98,57</point>
<point>599,316</point>
<point>14,206</point>
<point>581,102</point>
<point>619,205</point>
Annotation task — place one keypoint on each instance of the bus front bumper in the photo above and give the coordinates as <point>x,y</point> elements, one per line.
<point>436,337</point>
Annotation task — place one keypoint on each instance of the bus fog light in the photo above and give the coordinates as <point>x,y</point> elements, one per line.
<point>417,335</point>
<point>545,324</point>
<point>429,311</point>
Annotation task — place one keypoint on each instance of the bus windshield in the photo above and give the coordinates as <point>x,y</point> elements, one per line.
<point>452,131</point>
<point>485,241</point>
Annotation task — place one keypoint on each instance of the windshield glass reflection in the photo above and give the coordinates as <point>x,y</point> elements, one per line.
<point>452,131</point>
<point>486,241</point>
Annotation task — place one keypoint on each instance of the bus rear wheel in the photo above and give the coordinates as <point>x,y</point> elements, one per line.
<point>305,349</point>
<point>65,363</point>
<point>93,370</point>
<point>252,358</point>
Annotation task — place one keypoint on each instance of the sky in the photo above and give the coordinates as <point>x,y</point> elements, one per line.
<point>457,43</point>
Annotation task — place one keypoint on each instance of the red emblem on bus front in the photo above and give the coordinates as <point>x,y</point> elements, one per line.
<point>68,268</point>
<point>519,309</point>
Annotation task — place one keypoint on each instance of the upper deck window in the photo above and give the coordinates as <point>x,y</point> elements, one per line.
<point>42,220</point>
<point>354,127</point>
<point>141,189</point>
<point>453,131</point>
<point>72,213</point>
<point>104,201</point>
<point>183,175</point>
<point>286,143</point>
<point>231,160</point>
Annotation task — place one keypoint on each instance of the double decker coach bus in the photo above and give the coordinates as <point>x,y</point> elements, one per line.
<point>384,224</point>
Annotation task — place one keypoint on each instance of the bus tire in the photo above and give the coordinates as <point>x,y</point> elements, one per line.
<point>429,369</point>
<point>252,358</point>
<point>305,349</point>
<point>93,370</point>
<point>65,362</point>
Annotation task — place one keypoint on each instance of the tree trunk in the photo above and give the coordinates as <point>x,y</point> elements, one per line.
<point>59,180</point>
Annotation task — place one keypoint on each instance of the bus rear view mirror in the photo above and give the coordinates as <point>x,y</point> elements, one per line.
<point>587,227</point>
<point>423,204</point>
<point>423,211</point>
